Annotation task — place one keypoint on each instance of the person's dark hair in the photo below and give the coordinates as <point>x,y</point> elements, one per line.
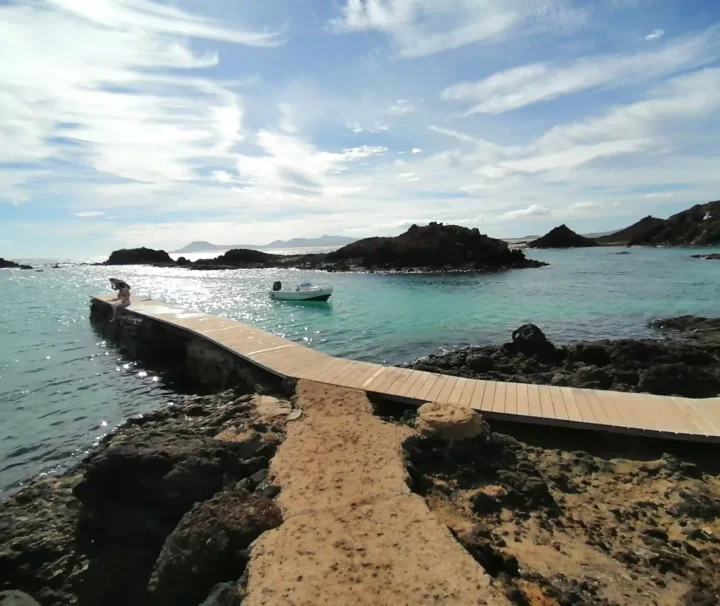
<point>118,284</point>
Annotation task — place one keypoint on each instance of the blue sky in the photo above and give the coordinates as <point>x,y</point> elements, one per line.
<point>139,122</point>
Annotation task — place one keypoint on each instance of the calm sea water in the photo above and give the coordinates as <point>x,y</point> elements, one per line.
<point>62,387</point>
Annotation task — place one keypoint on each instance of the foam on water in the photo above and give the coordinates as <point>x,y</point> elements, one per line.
<point>62,387</point>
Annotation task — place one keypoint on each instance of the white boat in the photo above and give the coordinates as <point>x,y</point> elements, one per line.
<point>304,292</point>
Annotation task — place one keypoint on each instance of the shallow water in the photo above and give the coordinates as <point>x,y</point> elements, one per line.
<point>62,387</point>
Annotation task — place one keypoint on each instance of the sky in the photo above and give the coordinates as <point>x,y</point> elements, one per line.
<point>130,123</point>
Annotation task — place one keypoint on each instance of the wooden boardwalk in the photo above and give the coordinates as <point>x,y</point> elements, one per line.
<point>641,414</point>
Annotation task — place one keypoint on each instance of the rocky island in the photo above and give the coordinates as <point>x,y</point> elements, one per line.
<point>5,264</point>
<point>634,231</point>
<point>431,248</point>
<point>562,237</point>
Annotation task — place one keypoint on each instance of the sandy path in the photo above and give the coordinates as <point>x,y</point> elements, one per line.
<point>353,532</point>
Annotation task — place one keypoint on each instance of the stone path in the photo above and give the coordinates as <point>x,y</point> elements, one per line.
<point>353,532</point>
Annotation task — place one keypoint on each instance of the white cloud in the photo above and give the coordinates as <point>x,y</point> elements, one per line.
<point>656,34</point>
<point>408,177</point>
<point>424,27</point>
<point>585,206</point>
<point>111,86</point>
<point>89,214</point>
<point>401,107</point>
<point>534,210</point>
<point>660,195</point>
<point>356,127</point>
<point>528,84</point>
<point>416,150</point>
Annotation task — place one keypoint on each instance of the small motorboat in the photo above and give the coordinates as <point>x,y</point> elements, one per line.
<point>304,292</point>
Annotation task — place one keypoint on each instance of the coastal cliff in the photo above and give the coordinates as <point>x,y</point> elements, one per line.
<point>697,226</point>
<point>5,264</point>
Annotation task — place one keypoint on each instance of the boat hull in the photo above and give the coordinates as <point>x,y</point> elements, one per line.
<point>316,295</point>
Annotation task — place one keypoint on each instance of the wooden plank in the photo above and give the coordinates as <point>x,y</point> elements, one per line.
<point>597,407</point>
<point>574,411</point>
<point>625,407</point>
<point>389,378</point>
<point>397,386</point>
<point>338,372</point>
<point>523,407</point>
<point>707,412</point>
<point>614,414</point>
<point>454,397</point>
<point>466,396</point>
<point>356,375</point>
<point>696,421</point>
<point>375,379</point>
<point>511,398</point>
<point>488,396</point>
<point>498,403</point>
<point>534,405</point>
<point>321,372</point>
<point>546,402</point>
<point>423,393</point>
<point>584,405</point>
<point>434,392</point>
<point>447,389</point>
<point>558,403</point>
<point>411,379</point>
<point>420,384</point>
<point>477,396</point>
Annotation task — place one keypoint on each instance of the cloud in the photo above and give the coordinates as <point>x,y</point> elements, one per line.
<point>521,86</point>
<point>585,206</point>
<point>453,133</point>
<point>408,177</point>
<point>656,34</point>
<point>89,214</point>
<point>356,127</point>
<point>660,195</point>
<point>416,150</point>
<point>114,87</point>
<point>401,107</point>
<point>534,210</point>
<point>419,28</point>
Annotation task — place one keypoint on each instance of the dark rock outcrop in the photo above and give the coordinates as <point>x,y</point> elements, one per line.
<point>139,256</point>
<point>687,367</point>
<point>636,230</point>
<point>697,226</point>
<point>239,258</point>
<point>5,264</point>
<point>710,257</point>
<point>153,516</point>
<point>562,237</point>
<point>434,247</point>
<point>210,544</point>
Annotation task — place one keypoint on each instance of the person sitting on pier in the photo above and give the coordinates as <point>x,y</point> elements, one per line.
<point>123,298</point>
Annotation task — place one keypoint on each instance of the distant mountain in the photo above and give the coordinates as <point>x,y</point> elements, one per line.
<point>203,246</point>
<point>696,226</point>
<point>562,237</point>
<point>636,230</point>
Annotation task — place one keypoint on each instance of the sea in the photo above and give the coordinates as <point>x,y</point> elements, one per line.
<point>63,386</point>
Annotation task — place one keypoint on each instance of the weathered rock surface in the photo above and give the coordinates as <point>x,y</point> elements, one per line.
<point>693,328</point>
<point>448,422</point>
<point>139,256</point>
<point>683,367</point>
<point>562,237</point>
<point>555,525</point>
<point>433,247</point>
<point>711,257</point>
<point>696,226</point>
<point>161,486</point>
<point>5,264</point>
<point>210,544</point>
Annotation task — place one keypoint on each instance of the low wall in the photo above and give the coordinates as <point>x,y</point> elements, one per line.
<point>204,364</point>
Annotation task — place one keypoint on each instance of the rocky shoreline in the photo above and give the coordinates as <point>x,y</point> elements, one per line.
<point>161,513</point>
<point>685,364</point>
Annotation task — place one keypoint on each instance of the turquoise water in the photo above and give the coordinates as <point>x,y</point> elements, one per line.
<point>62,387</point>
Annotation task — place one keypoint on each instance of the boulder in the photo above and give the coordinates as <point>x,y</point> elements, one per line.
<point>450,423</point>
<point>531,341</point>
<point>210,546</point>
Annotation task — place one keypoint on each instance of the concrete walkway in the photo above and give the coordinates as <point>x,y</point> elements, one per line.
<point>353,532</point>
